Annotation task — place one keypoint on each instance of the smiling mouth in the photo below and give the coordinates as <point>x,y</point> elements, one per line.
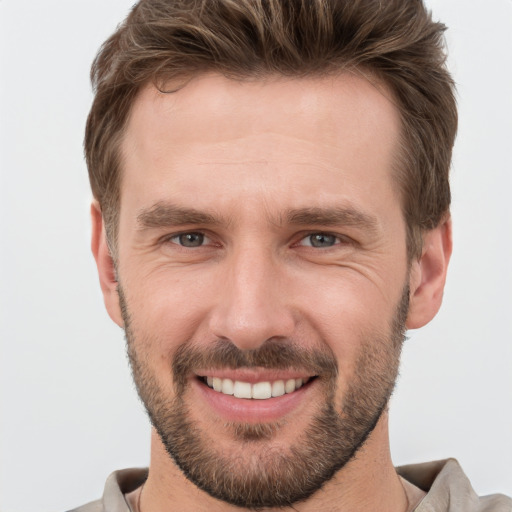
<point>257,391</point>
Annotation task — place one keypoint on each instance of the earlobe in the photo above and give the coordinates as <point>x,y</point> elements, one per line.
<point>428,275</point>
<point>105,265</point>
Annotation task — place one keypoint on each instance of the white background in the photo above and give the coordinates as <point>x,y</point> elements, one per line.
<point>69,413</point>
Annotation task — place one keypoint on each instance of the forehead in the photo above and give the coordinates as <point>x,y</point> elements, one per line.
<point>335,108</point>
<point>297,130</point>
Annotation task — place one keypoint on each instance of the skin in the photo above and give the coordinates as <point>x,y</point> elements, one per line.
<point>247,154</point>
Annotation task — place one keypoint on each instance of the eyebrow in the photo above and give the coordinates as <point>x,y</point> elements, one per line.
<point>164,214</point>
<point>333,217</point>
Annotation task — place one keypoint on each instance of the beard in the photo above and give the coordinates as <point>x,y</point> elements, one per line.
<point>253,472</point>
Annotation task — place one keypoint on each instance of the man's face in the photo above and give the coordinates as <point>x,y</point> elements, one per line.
<point>262,251</point>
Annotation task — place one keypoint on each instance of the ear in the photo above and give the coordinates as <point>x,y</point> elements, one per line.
<point>105,264</point>
<point>428,275</point>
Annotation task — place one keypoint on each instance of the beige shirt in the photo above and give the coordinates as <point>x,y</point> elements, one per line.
<point>447,487</point>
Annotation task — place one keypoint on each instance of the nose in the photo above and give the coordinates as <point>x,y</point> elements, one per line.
<point>252,304</point>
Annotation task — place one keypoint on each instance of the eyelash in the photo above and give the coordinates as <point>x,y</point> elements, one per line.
<point>187,233</point>
<point>338,239</point>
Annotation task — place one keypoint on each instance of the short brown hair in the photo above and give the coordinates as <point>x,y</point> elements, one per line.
<point>393,40</point>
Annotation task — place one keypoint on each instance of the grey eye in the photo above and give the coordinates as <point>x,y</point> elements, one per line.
<point>321,240</point>
<point>190,239</point>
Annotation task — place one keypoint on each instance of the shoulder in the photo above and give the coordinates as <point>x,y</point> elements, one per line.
<point>495,503</point>
<point>449,490</point>
<point>117,485</point>
<point>94,506</point>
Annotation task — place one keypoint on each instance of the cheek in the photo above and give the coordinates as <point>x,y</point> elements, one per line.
<point>346,301</point>
<point>340,307</point>
<point>346,313</point>
<point>168,307</point>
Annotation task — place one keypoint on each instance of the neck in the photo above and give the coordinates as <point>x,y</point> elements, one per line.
<point>367,482</point>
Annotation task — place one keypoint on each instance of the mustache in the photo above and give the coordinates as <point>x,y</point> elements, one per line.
<point>275,354</point>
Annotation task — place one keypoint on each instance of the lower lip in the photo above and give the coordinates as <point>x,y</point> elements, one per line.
<point>245,410</point>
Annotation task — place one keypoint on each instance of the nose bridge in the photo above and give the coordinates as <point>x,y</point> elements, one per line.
<point>252,305</point>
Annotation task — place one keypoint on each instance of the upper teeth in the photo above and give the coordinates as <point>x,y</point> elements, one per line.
<point>259,390</point>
